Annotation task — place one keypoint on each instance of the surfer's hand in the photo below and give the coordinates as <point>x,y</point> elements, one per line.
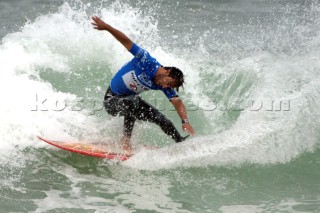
<point>187,127</point>
<point>98,23</point>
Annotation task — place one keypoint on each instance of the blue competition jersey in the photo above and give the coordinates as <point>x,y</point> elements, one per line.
<point>137,75</point>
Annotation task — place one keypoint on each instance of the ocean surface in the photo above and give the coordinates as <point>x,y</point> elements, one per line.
<point>252,92</point>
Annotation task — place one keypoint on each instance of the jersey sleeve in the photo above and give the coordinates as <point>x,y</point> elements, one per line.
<point>135,50</point>
<point>170,93</point>
<point>143,60</point>
<point>139,53</point>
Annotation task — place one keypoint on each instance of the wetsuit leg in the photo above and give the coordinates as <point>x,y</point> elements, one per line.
<point>127,108</point>
<point>147,112</point>
<point>124,106</point>
<point>110,103</point>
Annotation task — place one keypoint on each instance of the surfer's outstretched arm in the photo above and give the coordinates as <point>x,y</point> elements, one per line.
<point>99,24</point>
<point>182,112</point>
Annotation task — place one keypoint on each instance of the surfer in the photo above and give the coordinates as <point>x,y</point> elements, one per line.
<point>142,73</point>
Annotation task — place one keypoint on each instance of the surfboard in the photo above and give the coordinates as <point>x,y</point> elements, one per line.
<point>107,151</point>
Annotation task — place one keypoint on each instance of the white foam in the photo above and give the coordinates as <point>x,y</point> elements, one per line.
<point>23,55</point>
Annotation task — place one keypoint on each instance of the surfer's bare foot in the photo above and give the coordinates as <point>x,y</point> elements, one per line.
<point>126,146</point>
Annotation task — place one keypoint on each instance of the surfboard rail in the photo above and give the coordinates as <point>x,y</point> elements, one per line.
<point>86,149</point>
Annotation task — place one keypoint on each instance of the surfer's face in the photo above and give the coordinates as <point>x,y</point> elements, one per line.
<point>165,81</point>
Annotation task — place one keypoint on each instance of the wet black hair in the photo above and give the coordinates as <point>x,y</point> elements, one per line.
<point>177,75</point>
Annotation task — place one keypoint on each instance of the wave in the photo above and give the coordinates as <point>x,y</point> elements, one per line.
<point>61,60</point>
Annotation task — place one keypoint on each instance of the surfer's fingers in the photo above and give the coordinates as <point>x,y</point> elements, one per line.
<point>95,18</point>
<point>189,129</point>
<point>95,26</point>
<point>192,132</point>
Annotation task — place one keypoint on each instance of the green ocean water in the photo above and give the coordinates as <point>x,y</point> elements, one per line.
<point>252,93</point>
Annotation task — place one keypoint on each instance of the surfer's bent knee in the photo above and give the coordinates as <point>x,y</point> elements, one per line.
<point>110,103</point>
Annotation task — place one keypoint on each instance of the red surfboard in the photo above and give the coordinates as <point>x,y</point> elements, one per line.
<point>102,151</point>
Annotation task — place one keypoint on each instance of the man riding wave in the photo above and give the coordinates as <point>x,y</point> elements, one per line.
<point>142,73</point>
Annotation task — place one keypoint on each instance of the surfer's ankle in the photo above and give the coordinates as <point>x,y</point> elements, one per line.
<point>125,143</point>
<point>126,147</point>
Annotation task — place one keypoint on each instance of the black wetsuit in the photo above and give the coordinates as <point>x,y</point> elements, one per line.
<point>132,107</point>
